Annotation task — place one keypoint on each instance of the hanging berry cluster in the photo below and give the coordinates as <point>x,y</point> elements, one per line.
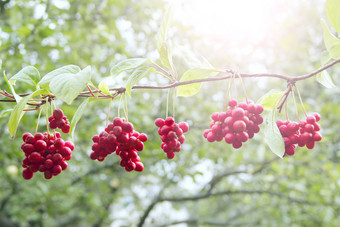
<point>171,135</point>
<point>236,125</point>
<point>58,120</point>
<point>45,153</point>
<point>120,137</point>
<point>304,133</point>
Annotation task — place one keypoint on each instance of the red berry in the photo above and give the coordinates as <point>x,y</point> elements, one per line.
<point>40,145</point>
<point>25,135</point>
<point>239,126</point>
<point>58,114</point>
<point>237,114</point>
<point>232,103</point>
<point>184,126</point>
<point>66,128</point>
<point>159,122</point>
<point>69,144</point>
<point>139,167</point>
<point>27,174</point>
<point>48,174</point>
<point>143,137</point>
<point>169,121</point>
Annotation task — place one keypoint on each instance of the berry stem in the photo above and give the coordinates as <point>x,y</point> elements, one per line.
<point>228,95</point>
<point>286,110</point>
<point>108,113</point>
<point>303,107</point>
<point>296,109</point>
<point>90,90</point>
<point>97,90</point>
<point>173,102</point>
<point>244,89</point>
<point>167,104</point>
<point>36,128</point>
<point>48,131</point>
<point>120,102</point>
<point>126,108</point>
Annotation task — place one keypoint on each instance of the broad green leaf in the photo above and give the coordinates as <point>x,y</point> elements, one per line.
<point>29,75</point>
<point>45,81</point>
<point>332,43</point>
<point>325,79</point>
<point>270,99</point>
<point>127,64</point>
<point>136,76</point>
<point>77,115</point>
<point>5,112</point>
<point>333,13</point>
<point>67,86</point>
<point>103,87</point>
<point>272,135</point>
<point>18,112</point>
<point>17,97</point>
<point>193,74</point>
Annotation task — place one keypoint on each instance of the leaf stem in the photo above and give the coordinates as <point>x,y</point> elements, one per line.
<point>303,107</point>
<point>48,131</point>
<point>108,113</point>
<point>36,128</point>
<point>296,109</point>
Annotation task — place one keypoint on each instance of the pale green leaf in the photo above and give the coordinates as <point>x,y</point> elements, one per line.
<point>333,13</point>
<point>18,112</point>
<point>270,99</point>
<point>5,112</point>
<point>103,87</point>
<point>193,74</point>
<point>332,43</point>
<point>272,135</point>
<point>16,96</point>
<point>67,86</point>
<point>77,115</point>
<point>190,59</point>
<point>165,54</point>
<point>136,76</point>
<point>164,28</point>
<point>325,79</point>
<point>0,63</point>
<point>127,64</point>
<point>29,75</point>
<point>45,81</point>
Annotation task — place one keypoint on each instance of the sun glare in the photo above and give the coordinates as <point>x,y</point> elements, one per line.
<point>241,18</point>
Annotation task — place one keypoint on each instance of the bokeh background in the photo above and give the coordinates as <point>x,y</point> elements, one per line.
<point>206,184</point>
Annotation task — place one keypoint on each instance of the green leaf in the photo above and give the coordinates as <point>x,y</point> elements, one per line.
<point>332,43</point>
<point>272,135</point>
<point>325,79</point>
<point>333,13</point>
<point>67,86</point>
<point>193,74</point>
<point>18,112</point>
<point>5,112</point>
<point>103,87</point>
<point>0,63</point>
<point>127,64</point>
<point>45,81</point>
<point>270,99</point>
<point>136,76</point>
<point>17,97</point>
<point>77,115</point>
<point>190,59</point>
<point>29,75</point>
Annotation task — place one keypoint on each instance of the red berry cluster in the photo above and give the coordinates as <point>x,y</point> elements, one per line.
<point>120,137</point>
<point>238,124</point>
<point>171,135</point>
<point>45,153</point>
<point>59,120</point>
<point>304,133</point>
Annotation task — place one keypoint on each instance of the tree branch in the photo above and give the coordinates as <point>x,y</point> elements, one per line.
<point>289,79</point>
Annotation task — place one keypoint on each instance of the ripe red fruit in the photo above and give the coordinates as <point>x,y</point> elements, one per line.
<point>237,114</point>
<point>66,128</point>
<point>58,114</point>
<point>27,174</point>
<point>159,122</point>
<point>239,126</point>
<point>40,145</point>
<point>184,126</point>
<point>232,103</point>
<point>169,121</point>
<point>25,135</point>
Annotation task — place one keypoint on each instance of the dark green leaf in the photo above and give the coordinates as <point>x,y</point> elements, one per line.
<point>77,115</point>
<point>29,75</point>
<point>270,99</point>
<point>45,81</point>
<point>127,64</point>
<point>67,86</point>
<point>136,76</point>
<point>193,74</point>
<point>272,135</point>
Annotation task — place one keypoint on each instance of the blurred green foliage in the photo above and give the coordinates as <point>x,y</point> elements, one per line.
<point>259,190</point>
